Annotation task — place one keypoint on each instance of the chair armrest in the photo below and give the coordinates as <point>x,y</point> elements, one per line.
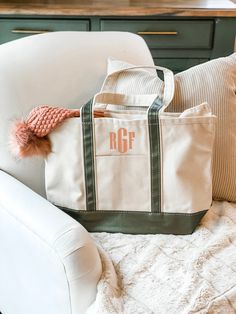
<point>46,254</point>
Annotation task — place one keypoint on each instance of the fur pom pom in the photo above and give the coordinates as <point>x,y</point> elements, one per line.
<point>24,143</point>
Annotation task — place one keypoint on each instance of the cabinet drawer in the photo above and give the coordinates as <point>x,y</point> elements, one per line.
<point>165,34</point>
<point>177,65</point>
<point>11,29</point>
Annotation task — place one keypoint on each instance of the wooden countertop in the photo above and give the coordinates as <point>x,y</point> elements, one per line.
<point>220,8</point>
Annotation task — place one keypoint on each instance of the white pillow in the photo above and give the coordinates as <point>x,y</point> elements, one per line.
<point>213,82</point>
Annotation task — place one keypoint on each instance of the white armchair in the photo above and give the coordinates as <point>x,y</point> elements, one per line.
<point>48,261</point>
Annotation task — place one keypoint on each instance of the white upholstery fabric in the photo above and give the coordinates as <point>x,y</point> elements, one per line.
<point>60,69</point>
<point>49,264</point>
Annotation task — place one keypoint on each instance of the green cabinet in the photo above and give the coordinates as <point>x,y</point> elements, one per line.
<point>175,42</point>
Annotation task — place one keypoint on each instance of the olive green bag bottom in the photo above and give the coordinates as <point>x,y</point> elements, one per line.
<point>137,222</point>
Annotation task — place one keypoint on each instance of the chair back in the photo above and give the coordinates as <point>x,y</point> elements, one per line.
<point>59,69</point>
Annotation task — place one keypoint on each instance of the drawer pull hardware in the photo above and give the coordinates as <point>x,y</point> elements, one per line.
<point>157,33</point>
<point>29,31</point>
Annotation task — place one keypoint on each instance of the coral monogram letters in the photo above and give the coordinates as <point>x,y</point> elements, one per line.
<point>122,140</point>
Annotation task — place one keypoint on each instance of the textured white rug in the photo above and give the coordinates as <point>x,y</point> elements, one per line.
<point>169,274</point>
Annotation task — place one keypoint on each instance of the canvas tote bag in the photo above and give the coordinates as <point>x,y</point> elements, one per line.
<point>135,169</point>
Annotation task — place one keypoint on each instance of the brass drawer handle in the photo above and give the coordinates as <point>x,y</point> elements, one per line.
<point>157,33</point>
<point>29,31</point>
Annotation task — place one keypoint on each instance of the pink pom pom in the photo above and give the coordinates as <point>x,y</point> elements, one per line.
<point>24,143</point>
<point>21,134</point>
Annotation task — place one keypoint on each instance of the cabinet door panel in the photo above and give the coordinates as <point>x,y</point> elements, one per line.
<point>178,34</point>
<point>11,29</point>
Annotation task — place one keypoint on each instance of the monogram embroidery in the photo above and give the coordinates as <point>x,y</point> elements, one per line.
<point>122,140</point>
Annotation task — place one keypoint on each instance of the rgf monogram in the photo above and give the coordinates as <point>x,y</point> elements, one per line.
<point>122,140</point>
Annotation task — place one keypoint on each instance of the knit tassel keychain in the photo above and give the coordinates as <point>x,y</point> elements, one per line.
<point>30,137</point>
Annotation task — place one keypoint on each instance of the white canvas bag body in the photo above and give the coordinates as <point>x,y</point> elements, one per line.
<point>138,169</point>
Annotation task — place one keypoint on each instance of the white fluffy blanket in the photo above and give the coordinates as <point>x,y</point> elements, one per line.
<point>169,274</point>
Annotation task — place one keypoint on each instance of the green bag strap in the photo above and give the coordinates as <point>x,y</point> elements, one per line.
<point>155,154</point>
<point>86,114</point>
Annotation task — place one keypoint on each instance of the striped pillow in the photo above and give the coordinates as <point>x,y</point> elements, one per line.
<point>215,83</point>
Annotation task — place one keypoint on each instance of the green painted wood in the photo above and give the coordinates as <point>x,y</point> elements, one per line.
<point>224,39</point>
<point>191,34</point>
<point>8,25</point>
<point>177,65</point>
<point>181,53</point>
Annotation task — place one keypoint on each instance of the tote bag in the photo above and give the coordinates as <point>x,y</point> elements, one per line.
<point>135,169</point>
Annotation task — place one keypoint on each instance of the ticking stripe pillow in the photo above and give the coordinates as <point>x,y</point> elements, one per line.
<point>213,82</point>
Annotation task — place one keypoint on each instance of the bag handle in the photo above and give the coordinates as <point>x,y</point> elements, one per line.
<point>169,83</point>
<point>108,98</point>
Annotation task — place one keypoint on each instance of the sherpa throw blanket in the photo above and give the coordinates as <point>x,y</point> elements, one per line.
<point>160,274</point>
